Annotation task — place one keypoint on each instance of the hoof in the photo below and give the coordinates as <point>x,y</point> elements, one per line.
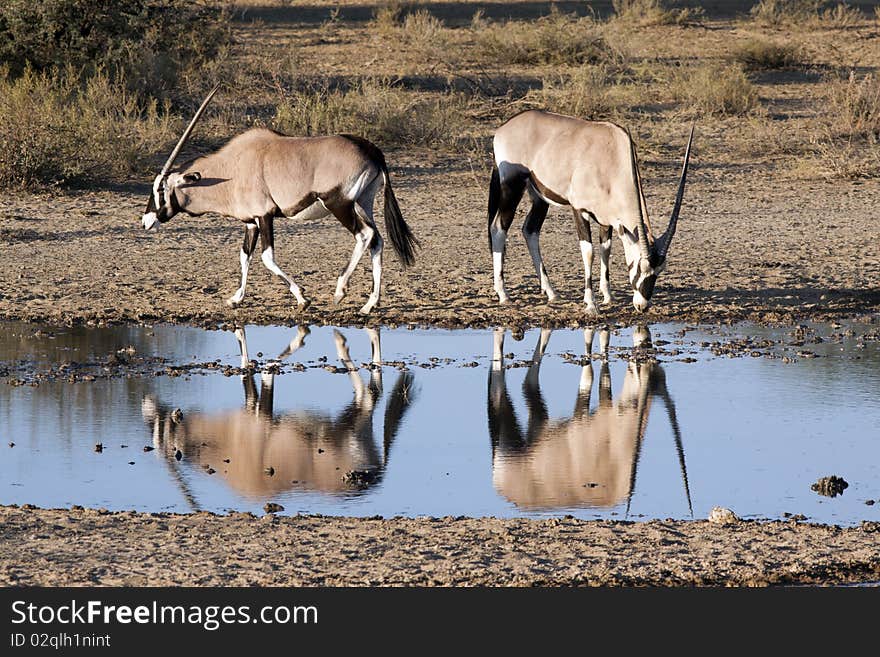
<point>303,305</point>
<point>337,298</point>
<point>592,310</point>
<point>552,298</point>
<point>232,303</point>
<point>365,310</point>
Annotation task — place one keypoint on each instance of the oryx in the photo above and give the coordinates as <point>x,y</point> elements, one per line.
<point>261,174</point>
<point>590,166</point>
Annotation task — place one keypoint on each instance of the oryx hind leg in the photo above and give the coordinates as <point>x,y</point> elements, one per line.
<point>251,232</point>
<point>505,192</point>
<point>267,241</point>
<point>357,221</point>
<point>585,239</point>
<point>531,231</point>
<point>604,259</point>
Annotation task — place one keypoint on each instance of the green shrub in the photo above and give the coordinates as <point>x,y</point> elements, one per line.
<point>149,40</point>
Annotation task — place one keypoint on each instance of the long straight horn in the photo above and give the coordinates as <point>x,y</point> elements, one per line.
<point>666,238</point>
<point>642,229</point>
<point>188,131</point>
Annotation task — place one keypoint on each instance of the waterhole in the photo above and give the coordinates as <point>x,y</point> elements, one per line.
<point>646,422</point>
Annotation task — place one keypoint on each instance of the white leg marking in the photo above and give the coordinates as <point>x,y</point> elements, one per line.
<point>268,258</point>
<point>245,260</point>
<point>376,258</point>
<point>361,241</point>
<point>242,347</point>
<point>499,240</point>
<point>604,257</point>
<point>535,252</point>
<point>587,255</point>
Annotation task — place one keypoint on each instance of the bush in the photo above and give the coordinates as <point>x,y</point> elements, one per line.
<point>557,38</point>
<point>715,89</point>
<point>586,93</point>
<point>652,12</point>
<point>148,40</point>
<point>854,107</point>
<point>760,54</point>
<point>812,13</point>
<point>59,128</point>
<point>376,110</point>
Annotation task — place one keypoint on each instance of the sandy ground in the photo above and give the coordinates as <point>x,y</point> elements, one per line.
<point>751,245</point>
<point>92,547</point>
<point>742,251</point>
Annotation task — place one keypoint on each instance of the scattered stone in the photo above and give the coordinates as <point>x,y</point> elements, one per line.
<point>176,416</point>
<point>272,507</point>
<point>320,451</point>
<point>178,454</point>
<point>210,471</point>
<point>869,502</point>
<point>99,447</point>
<point>830,486</point>
<point>722,516</point>
<point>270,471</point>
<point>12,444</point>
<point>148,448</point>
<point>360,478</point>
<point>131,462</point>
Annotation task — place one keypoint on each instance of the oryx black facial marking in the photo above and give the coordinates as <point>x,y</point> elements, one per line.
<point>261,175</point>
<point>592,167</point>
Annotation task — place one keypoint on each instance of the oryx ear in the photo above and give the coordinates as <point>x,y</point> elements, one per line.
<point>192,177</point>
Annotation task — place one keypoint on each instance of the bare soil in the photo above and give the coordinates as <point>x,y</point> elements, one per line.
<point>95,548</point>
<point>754,243</point>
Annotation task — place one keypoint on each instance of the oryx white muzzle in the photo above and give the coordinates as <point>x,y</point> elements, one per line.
<point>150,221</point>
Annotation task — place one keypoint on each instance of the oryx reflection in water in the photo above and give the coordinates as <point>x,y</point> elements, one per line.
<point>589,459</point>
<point>260,453</point>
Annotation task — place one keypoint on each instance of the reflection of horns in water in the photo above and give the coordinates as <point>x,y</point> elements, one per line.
<point>255,438</point>
<point>148,408</point>
<point>552,463</point>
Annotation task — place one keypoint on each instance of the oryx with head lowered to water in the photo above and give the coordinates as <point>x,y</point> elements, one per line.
<point>261,174</point>
<point>590,166</point>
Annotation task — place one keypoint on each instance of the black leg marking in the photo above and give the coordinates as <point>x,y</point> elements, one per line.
<point>582,226</point>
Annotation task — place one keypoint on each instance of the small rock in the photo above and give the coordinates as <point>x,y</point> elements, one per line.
<point>869,502</point>
<point>12,444</point>
<point>176,416</point>
<point>210,471</point>
<point>99,447</point>
<point>320,451</point>
<point>722,516</point>
<point>178,455</point>
<point>131,462</point>
<point>148,448</point>
<point>271,507</point>
<point>830,486</point>
<point>270,471</point>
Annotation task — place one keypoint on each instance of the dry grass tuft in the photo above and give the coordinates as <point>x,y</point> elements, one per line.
<point>59,128</point>
<point>557,38</point>
<point>805,13</point>
<point>587,93</point>
<point>716,89</point>
<point>854,107</point>
<point>653,12</point>
<point>376,109</point>
<point>762,54</point>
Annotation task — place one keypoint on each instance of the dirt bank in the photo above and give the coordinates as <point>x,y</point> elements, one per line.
<point>95,548</point>
<point>743,251</point>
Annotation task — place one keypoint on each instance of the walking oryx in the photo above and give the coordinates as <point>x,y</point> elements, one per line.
<point>261,174</point>
<point>589,459</point>
<point>591,167</point>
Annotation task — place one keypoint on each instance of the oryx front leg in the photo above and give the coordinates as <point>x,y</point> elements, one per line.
<point>585,239</point>
<point>604,259</point>
<point>267,236</point>
<point>531,231</point>
<point>247,252</point>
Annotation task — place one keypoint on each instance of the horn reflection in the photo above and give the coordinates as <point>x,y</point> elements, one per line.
<point>260,453</point>
<point>589,459</point>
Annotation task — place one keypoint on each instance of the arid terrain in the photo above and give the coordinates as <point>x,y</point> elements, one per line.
<point>779,225</point>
